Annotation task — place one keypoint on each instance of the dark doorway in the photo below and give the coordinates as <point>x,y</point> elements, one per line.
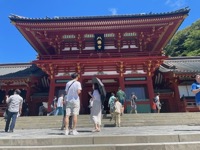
<point>165,106</point>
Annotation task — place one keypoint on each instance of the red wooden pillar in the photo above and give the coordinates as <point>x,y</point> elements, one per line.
<point>78,70</point>
<point>150,89</point>
<point>176,96</point>
<point>28,98</point>
<point>51,93</point>
<point>121,82</point>
<point>121,71</point>
<point>122,85</point>
<point>28,93</point>
<point>121,75</point>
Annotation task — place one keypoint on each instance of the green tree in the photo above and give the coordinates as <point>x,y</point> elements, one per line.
<point>185,42</point>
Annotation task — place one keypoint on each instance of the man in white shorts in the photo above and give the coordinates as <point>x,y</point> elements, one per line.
<point>73,89</point>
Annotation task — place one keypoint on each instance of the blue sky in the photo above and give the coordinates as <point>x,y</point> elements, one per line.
<point>15,48</point>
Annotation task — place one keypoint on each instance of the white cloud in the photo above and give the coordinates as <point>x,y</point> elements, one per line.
<point>176,3</point>
<point>113,11</point>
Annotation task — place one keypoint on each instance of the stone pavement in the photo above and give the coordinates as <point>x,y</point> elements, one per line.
<point>175,137</point>
<point>105,131</point>
<point>173,131</point>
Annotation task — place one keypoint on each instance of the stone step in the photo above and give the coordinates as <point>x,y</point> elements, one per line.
<point>126,116</point>
<point>144,146</point>
<point>102,139</point>
<point>138,132</point>
<point>34,122</point>
<point>142,142</point>
<point>137,138</point>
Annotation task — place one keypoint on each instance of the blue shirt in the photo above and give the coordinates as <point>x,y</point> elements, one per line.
<point>195,86</point>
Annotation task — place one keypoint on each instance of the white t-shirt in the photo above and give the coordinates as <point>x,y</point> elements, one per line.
<point>14,103</point>
<point>72,91</point>
<point>60,102</point>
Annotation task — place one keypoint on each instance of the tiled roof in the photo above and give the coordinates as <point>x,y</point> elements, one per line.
<point>12,68</point>
<point>181,65</point>
<point>141,15</point>
<point>19,70</point>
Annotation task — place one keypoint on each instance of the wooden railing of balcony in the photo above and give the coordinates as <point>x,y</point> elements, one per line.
<point>97,55</point>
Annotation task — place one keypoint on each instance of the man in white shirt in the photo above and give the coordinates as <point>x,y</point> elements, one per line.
<point>73,89</point>
<point>14,107</point>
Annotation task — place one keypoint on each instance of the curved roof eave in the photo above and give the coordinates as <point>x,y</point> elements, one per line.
<point>10,71</point>
<point>183,11</point>
<point>181,65</point>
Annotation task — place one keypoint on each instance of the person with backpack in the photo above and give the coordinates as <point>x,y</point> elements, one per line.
<point>153,106</point>
<point>53,107</point>
<point>121,97</point>
<point>133,103</point>
<point>73,89</point>
<point>157,102</point>
<point>111,104</point>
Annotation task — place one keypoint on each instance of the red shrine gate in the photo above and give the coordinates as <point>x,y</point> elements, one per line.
<point>112,72</point>
<point>122,50</point>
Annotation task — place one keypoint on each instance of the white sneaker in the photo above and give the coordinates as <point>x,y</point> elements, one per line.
<point>66,132</point>
<point>74,132</point>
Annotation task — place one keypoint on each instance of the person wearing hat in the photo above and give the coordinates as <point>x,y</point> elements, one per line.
<point>14,107</point>
<point>73,89</point>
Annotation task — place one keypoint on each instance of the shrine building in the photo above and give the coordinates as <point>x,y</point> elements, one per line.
<point>122,50</point>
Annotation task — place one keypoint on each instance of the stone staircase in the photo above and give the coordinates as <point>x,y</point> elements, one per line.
<point>128,120</point>
<point>138,132</point>
<point>148,142</point>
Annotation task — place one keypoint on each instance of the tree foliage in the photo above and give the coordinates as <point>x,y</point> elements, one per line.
<point>185,42</point>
